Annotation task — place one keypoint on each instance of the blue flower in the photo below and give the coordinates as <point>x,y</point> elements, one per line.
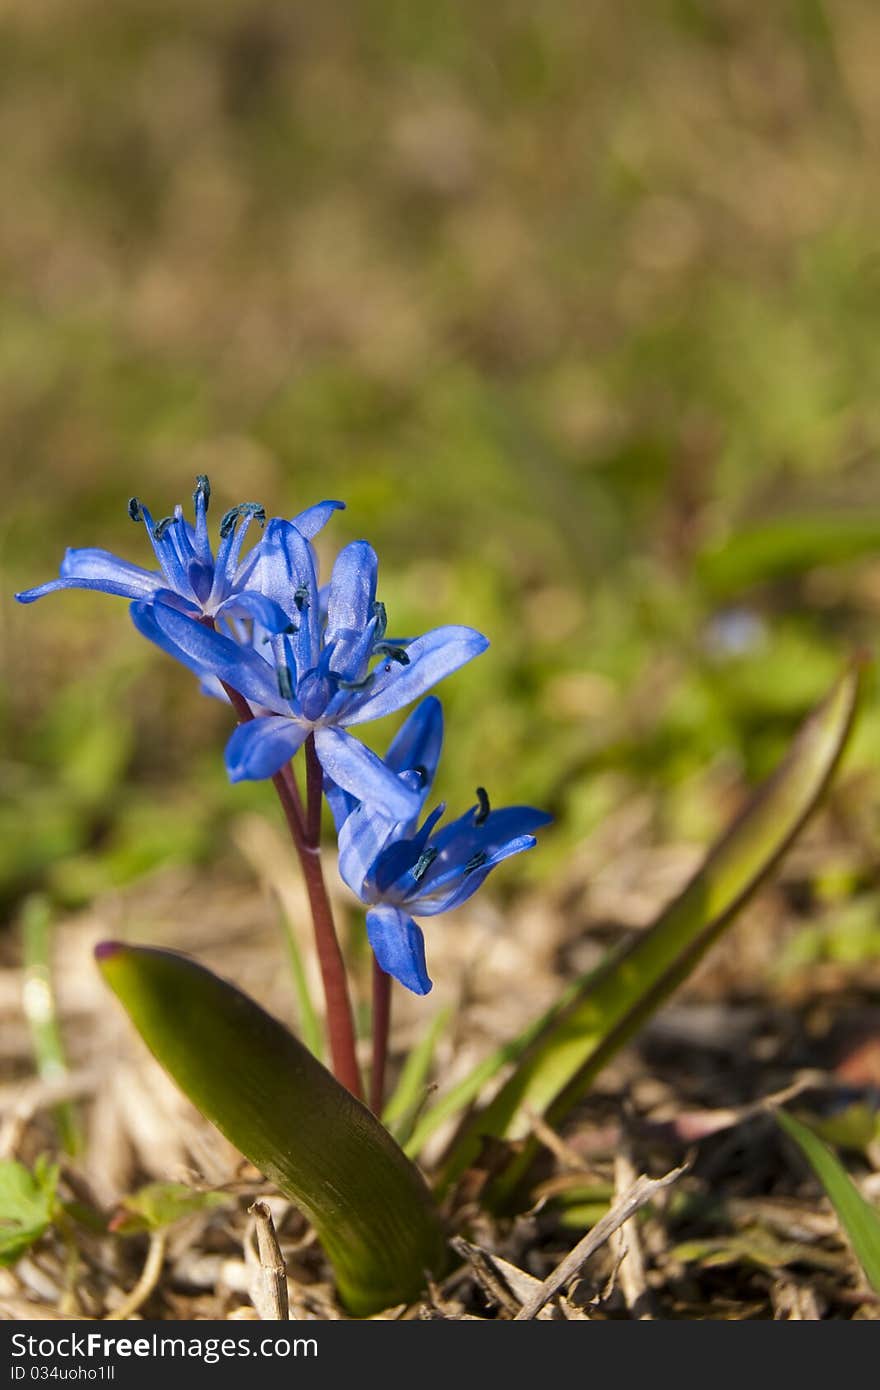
<point>189,577</point>
<point>317,676</point>
<point>400,870</point>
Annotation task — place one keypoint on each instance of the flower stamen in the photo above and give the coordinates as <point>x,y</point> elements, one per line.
<point>476,861</point>
<point>394,653</point>
<point>244,509</point>
<point>424,862</point>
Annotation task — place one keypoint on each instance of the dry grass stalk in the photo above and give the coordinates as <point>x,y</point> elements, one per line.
<point>268,1284</point>
<point>626,1245</point>
<point>642,1191</point>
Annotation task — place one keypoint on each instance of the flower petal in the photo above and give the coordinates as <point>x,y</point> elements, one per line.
<point>143,615</point>
<point>183,539</point>
<point>399,947</point>
<point>459,883</point>
<point>171,599</point>
<point>350,605</point>
<point>366,831</point>
<point>342,804</point>
<point>315,518</point>
<point>200,542</point>
<point>418,742</point>
<point>88,568</point>
<point>233,529</point>
<point>461,839</point>
<point>361,838</point>
<point>249,604</point>
<point>261,747</point>
<point>202,649</point>
<point>395,868</point>
<point>285,573</point>
<point>201,580</point>
<point>354,768</point>
<point>91,563</point>
<point>212,687</point>
<point>350,651</point>
<point>431,657</point>
<point>167,553</point>
<point>468,848</point>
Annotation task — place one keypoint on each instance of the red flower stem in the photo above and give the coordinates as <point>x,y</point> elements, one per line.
<point>381,1027</point>
<point>314,792</point>
<point>340,1020</point>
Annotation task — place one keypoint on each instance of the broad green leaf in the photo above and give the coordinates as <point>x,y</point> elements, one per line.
<point>606,1007</point>
<point>162,1204</point>
<point>281,1108</point>
<point>858,1218</point>
<point>27,1205</point>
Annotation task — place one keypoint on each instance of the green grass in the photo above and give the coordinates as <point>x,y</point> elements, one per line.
<point>575,306</point>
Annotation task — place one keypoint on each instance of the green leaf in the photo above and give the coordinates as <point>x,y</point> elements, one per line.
<point>858,1218</point>
<point>605,1008</point>
<point>786,545</point>
<point>27,1205</point>
<point>309,1022</point>
<point>753,1246</point>
<point>161,1204</point>
<point>409,1094</point>
<point>461,1095</point>
<point>41,1011</point>
<point>281,1108</point>
<point>856,1126</point>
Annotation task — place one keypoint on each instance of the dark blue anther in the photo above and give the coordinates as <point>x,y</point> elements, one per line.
<point>395,653</point>
<point>161,527</point>
<point>244,509</point>
<point>203,489</point>
<point>424,862</point>
<point>357,685</point>
<point>381,619</point>
<point>301,598</point>
<point>484,808</point>
<point>285,683</point>
<point>476,861</point>
<point>134,509</point>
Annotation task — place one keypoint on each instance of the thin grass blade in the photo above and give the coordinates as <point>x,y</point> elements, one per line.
<point>858,1218</point>
<point>41,1011</point>
<point>409,1094</point>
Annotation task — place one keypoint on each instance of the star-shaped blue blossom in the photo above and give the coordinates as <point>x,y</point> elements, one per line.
<point>189,577</point>
<point>400,870</point>
<point>318,676</point>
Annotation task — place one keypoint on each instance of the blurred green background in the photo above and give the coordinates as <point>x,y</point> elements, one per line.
<point>576,305</point>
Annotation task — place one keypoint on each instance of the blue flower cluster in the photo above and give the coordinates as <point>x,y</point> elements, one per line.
<point>399,869</point>
<point>314,661</point>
